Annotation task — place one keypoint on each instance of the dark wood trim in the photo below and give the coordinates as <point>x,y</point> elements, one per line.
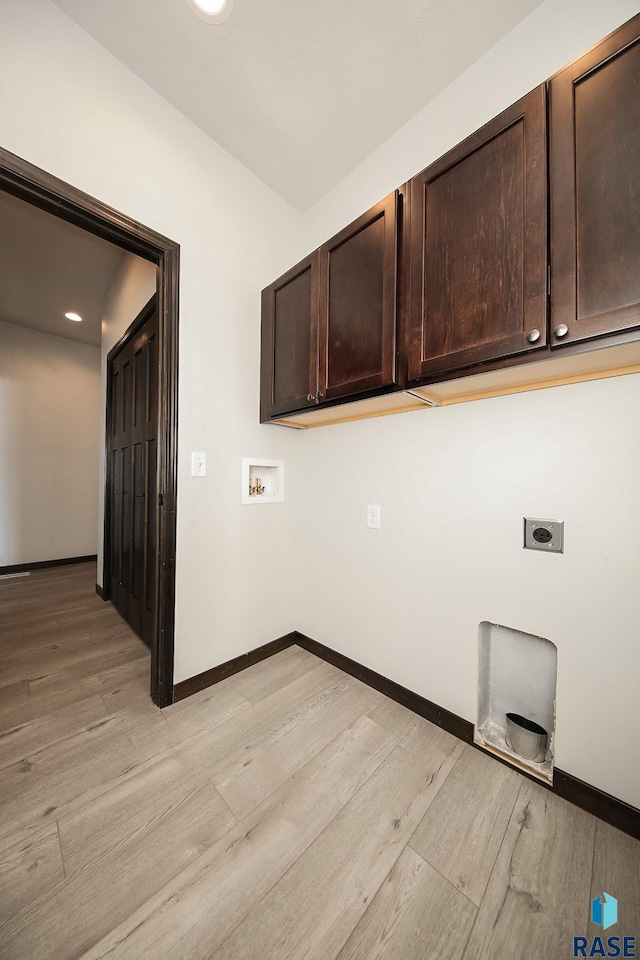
<point>40,188</point>
<point>100,592</point>
<point>616,812</point>
<point>203,680</point>
<point>42,564</point>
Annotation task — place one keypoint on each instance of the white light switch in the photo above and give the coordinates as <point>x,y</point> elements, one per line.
<point>373,516</point>
<point>198,464</point>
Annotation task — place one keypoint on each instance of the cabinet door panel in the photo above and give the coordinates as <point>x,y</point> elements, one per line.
<point>358,304</point>
<point>289,340</point>
<point>479,246</point>
<point>595,178</point>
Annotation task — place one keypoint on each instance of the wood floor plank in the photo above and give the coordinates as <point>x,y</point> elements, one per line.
<point>75,658</point>
<point>113,817</point>
<point>15,705</point>
<point>33,791</point>
<point>313,910</point>
<point>42,732</point>
<point>198,716</point>
<point>259,767</point>
<point>415,915</point>
<point>260,723</point>
<point>262,679</point>
<point>59,690</point>
<point>394,717</point>
<point>77,913</point>
<point>537,899</point>
<point>616,870</point>
<point>30,864</point>
<point>194,914</point>
<point>131,695</point>
<point>461,834</point>
<point>70,624</point>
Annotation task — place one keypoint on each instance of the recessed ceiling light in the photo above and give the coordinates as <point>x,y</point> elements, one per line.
<point>74,316</point>
<point>212,11</point>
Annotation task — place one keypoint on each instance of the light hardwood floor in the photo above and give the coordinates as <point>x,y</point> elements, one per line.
<point>288,812</point>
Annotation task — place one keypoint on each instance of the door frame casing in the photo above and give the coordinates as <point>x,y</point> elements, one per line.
<point>36,186</point>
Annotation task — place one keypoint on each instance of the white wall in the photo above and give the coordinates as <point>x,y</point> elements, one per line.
<point>132,287</point>
<point>49,446</point>
<point>74,110</point>
<point>454,483</point>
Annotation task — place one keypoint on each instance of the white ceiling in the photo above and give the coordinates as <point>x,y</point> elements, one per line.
<point>49,267</point>
<point>300,91</point>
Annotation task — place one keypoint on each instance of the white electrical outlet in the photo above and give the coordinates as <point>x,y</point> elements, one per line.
<point>198,464</point>
<point>373,516</point>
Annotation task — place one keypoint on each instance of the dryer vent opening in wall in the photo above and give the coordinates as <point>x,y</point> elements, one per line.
<point>517,698</point>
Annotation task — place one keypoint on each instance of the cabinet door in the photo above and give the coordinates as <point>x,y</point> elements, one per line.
<point>358,304</point>
<point>289,352</point>
<point>478,246</point>
<point>595,190</point>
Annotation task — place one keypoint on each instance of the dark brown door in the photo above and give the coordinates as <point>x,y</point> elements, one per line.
<point>358,268</point>
<point>289,364</point>
<point>478,246</point>
<point>132,495</point>
<point>595,190</point>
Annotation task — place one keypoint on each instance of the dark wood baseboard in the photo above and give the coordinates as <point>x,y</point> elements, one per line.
<point>203,680</point>
<point>100,591</point>
<point>616,812</point>
<point>41,564</point>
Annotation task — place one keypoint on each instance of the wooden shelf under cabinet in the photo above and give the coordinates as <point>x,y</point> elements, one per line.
<point>594,363</point>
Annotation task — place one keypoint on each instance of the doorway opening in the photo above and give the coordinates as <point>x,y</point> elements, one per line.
<point>35,186</point>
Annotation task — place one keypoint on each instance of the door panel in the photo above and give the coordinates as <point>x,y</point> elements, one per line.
<point>595,177</point>
<point>139,496</point>
<point>467,282</point>
<point>151,538</point>
<point>133,485</point>
<point>478,286</point>
<point>358,271</point>
<point>127,526</point>
<point>289,373</point>
<point>116,521</point>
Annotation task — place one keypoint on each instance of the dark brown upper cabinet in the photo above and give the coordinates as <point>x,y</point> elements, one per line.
<point>289,354</point>
<point>478,246</point>
<point>595,190</point>
<point>358,268</point>
<point>329,324</point>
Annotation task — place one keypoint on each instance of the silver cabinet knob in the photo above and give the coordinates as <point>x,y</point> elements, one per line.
<point>561,330</point>
<point>533,335</point>
<point>320,395</point>
<point>310,397</point>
